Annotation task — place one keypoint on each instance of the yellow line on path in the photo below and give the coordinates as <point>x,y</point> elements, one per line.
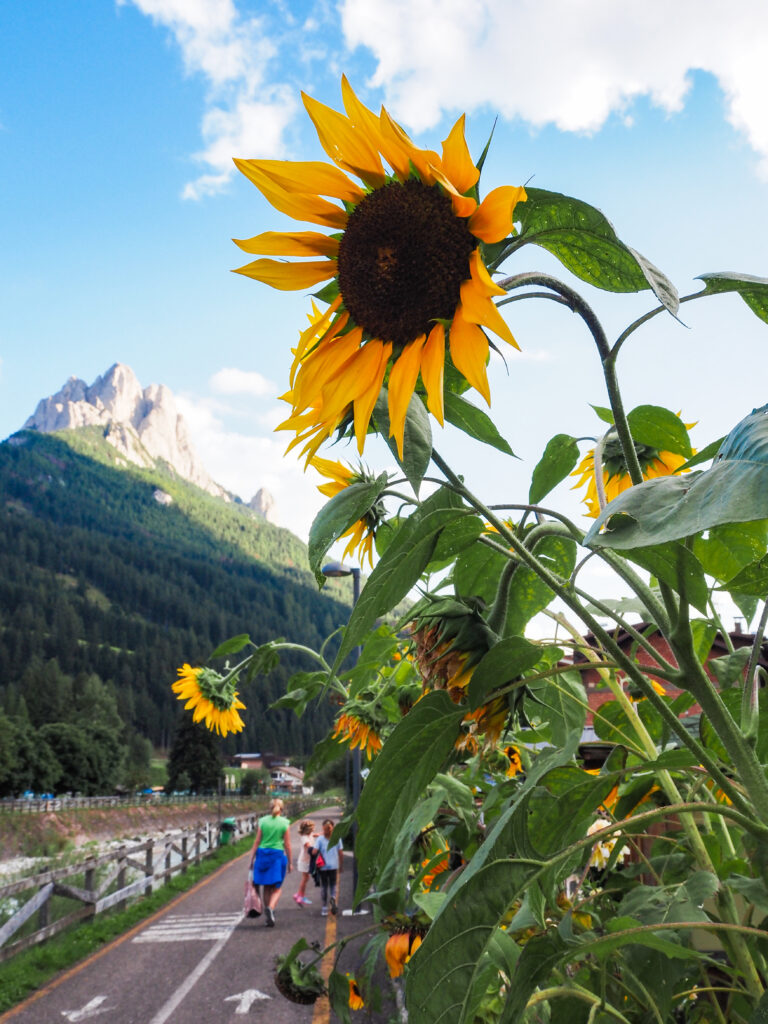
<point>322,1014</point>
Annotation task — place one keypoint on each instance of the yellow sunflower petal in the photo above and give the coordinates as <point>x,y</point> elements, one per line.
<point>311,177</point>
<point>300,207</point>
<point>402,381</point>
<point>469,352</point>
<point>457,163</point>
<point>493,218</point>
<point>347,147</point>
<point>433,370</point>
<point>422,159</point>
<point>479,273</point>
<point>463,206</point>
<point>477,309</point>
<point>365,403</point>
<point>289,276</point>
<point>293,243</point>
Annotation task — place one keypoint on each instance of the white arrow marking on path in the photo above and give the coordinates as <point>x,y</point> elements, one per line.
<point>247,999</point>
<point>91,1009</point>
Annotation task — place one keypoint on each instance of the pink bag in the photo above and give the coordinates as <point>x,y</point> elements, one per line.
<point>252,906</point>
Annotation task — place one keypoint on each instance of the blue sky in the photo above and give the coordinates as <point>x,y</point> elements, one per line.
<point>118,202</point>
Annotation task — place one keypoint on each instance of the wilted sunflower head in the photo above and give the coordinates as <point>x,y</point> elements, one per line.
<point>405,268</point>
<point>450,637</point>
<point>653,462</point>
<point>363,532</point>
<point>356,727</point>
<point>211,697</point>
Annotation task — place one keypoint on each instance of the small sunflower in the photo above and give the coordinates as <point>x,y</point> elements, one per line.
<point>404,262</point>
<point>400,947</point>
<point>437,864</point>
<point>213,698</point>
<point>356,1001</point>
<point>515,762</point>
<point>357,733</point>
<point>616,478</point>
<point>362,533</point>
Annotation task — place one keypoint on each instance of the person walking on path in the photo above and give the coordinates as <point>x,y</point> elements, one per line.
<point>307,836</point>
<point>331,869</point>
<point>271,857</point>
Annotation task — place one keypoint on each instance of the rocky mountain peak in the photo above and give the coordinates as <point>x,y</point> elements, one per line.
<point>142,424</point>
<point>263,504</point>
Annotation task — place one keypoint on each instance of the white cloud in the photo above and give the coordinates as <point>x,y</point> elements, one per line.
<point>243,463</point>
<point>246,113</point>
<point>561,62</point>
<point>231,381</point>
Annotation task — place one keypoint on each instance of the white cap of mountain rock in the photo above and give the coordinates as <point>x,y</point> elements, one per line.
<point>142,424</point>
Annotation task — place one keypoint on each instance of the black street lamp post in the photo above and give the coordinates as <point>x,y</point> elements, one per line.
<point>334,570</point>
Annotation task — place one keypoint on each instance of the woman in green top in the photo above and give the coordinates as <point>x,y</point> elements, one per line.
<point>271,856</point>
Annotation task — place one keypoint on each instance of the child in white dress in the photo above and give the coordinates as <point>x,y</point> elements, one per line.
<point>306,836</point>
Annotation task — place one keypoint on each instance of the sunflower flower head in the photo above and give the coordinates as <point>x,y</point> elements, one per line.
<point>356,728</point>
<point>400,947</point>
<point>654,462</point>
<point>363,532</point>
<point>211,697</point>
<point>407,284</point>
<point>514,761</point>
<point>450,637</point>
<point>356,1001</point>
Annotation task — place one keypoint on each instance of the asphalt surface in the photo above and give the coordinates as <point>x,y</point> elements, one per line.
<point>199,960</point>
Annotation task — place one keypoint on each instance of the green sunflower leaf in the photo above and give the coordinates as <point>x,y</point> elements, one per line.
<point>733,490</point>
<point>417,437</point>
<point>410,759</point>
<point>234,645</point>
<point>604,414</point>
<point>676,566</point>
<point>336,516</point>
<point>528,595</point>
<point>585,242</point>
<point>754,290</point>
<point>504,662</point>
<point>559,458</point>
<point>729,549</point>
<point>401,565</point>
<point>659,428</point>
<point>753,579</point>
<point>473,421</point>
<point>705,455</point>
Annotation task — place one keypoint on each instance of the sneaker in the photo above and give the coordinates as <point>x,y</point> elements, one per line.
<point>306,902</point>
<point>334,908</point>
<point>270,917</point>
<point>324,911</point>
<point>299,900</point>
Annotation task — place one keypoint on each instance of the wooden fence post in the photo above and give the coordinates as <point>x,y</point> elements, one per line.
<point>149,866</point>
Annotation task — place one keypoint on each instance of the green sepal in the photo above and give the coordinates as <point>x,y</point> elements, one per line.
<point>503,663</point>
<point>329,292</point>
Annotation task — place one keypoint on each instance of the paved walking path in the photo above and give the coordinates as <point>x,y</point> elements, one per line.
<point>198,960</point>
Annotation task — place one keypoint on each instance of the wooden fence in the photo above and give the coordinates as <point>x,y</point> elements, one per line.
<point>105,882</point>
<point>37,805</point>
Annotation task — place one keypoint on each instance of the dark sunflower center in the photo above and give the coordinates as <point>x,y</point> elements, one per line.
<point>402,259</point>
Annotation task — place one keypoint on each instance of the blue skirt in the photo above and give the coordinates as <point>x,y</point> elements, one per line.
<point>270,867</point>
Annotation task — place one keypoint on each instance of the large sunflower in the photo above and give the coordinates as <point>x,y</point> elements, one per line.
<point>404,263</point>
<point>616,478</point>
<point>211,698</point>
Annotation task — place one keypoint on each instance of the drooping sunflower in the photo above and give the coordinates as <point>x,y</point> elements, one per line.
<point>357,733</point>
<point>515,762</point>
<point>400,947</point>
<point>211,697</point>
<point>362,533</point>
<point>356,1001</point>
<point>404,260</point>
<point>616,478</point>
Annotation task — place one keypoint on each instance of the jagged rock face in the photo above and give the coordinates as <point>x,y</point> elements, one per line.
<point>263,504</point>
<point>142,424</point>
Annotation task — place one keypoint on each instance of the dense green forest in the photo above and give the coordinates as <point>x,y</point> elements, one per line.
<point>104,592</point>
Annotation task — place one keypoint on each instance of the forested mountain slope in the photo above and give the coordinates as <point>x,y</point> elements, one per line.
<point>98,577</point>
